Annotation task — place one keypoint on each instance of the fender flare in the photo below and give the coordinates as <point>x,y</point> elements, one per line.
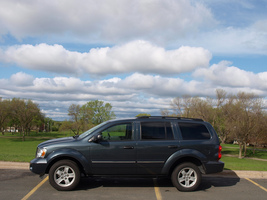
<point>68,153</point>
<point>184,155</point>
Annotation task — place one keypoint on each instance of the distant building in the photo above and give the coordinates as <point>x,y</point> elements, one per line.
<point>11,129</point>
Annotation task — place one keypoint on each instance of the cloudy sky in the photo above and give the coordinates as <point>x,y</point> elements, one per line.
<point>137,55</point>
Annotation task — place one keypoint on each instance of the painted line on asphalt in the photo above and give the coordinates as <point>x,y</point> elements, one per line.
<point>157,190</point>
<point>257,184</point>
<point>35,189</point>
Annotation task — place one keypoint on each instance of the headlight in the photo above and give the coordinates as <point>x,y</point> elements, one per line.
<point>40,152</point>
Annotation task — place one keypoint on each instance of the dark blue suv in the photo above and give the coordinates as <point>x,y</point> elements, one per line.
<point>181,148</point>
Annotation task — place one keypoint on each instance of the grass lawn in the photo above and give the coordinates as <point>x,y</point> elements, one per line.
<point>234,150</point>
<point>232,163</point>
<point>14,149</point>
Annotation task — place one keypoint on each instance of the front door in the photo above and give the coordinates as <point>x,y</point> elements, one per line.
<point>116,152</point>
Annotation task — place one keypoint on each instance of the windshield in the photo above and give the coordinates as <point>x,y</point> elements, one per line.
<point>86,133</point>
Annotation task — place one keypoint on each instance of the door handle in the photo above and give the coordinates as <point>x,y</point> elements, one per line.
<point>128,147</point>
<point>172,147</point>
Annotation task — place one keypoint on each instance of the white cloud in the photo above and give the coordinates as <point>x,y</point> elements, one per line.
<point>136,56</point>
<point>251,39</point>
<point>21,79</point>
<point>103,20</point>
<point>222,74</point>
<point>133,94</point>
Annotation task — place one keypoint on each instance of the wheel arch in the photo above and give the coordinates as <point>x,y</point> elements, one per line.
<point>186,159</point>
<point>182,156</point>
<point>68,154</point>
<point>59,158</point>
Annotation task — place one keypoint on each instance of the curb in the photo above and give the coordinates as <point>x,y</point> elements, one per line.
<point>225,173</point>
<point>14,165</point>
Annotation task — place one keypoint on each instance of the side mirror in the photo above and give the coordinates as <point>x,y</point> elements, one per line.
<point>96,138</point>
<point>99,137</point>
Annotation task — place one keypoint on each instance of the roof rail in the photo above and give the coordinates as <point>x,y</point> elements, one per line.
<point>169,117</point>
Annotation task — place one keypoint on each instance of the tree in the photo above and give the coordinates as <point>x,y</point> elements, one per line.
<point>194,107</point>
<point>48,122</point>
<point>4,114</point>
<point>241,114</point>
<point>25,111</point>
<point>85,116</point>
<point>101,112</point>
<point>239,117</point>
<point>81,117</point>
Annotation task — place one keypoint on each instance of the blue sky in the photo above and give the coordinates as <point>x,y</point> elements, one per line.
<point>137,55</point>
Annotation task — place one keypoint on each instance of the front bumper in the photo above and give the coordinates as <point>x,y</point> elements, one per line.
<point>38,166</point>
<point>213,167</point>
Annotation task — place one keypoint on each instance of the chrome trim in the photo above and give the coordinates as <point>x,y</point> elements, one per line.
<point>111,162</point>
<point>126,162</point>
<point>150,162</point>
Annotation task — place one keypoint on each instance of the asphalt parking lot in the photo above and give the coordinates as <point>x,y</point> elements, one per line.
<point>22,184</point>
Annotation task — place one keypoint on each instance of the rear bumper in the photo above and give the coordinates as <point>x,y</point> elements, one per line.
<point>38,166</point>
<point>213,167</point>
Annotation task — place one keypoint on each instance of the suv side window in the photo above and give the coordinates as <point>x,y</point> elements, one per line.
<point>118,132</point>
<point>194,131</point>
<point>156,131</point>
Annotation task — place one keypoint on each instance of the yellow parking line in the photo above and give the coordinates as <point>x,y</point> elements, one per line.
<point>157,191</point>
<point>35,188</point>
<point>257,184</point>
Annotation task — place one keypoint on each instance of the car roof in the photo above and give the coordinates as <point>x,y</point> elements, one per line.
<point>158,118</point>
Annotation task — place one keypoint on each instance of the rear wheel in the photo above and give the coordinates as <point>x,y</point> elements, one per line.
<point>186,177</point>
<point>64,175</point>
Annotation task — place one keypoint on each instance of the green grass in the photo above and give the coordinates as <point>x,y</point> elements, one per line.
<point>234,150</point>
<point>14,149</point>
<point>232,163</point>
<point>235,163</point>
<point>40,134</point>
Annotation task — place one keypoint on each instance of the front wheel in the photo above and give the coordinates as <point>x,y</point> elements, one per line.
<point>186,177</point>
<point>64,175</point>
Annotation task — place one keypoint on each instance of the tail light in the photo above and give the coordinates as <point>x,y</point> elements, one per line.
<point>220,152</point>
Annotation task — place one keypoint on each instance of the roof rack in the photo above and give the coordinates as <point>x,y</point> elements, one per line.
<point>169,117</point>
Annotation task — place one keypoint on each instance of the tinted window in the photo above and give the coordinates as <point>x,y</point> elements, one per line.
<point>156,130</point>
<point>194,131</point>
<point>118,132</point>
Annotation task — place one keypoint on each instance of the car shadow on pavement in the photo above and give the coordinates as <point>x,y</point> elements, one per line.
<point>219,180</point>
<point>208,181</point>
<point>95,182</point>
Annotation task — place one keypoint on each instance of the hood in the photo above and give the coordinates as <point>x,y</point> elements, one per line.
<point>56,141</point>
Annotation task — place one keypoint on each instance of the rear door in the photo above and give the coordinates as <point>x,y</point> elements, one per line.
<point>155,145</point>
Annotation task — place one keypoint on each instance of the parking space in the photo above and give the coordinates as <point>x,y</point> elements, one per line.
<point>16,184</point>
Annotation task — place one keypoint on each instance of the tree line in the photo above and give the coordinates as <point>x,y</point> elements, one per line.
<point>25,115</point>
<point>239,118</point>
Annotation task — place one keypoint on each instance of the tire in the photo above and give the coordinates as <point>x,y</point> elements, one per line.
<point>64,175</point>
<point>186,177</point>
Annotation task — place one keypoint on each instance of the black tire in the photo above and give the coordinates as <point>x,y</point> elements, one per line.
<point>64,175</point>
<point>186,177</point>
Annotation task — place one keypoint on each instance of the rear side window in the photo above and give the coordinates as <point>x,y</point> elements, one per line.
<point>156,131</point>
<point>194,131</point>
